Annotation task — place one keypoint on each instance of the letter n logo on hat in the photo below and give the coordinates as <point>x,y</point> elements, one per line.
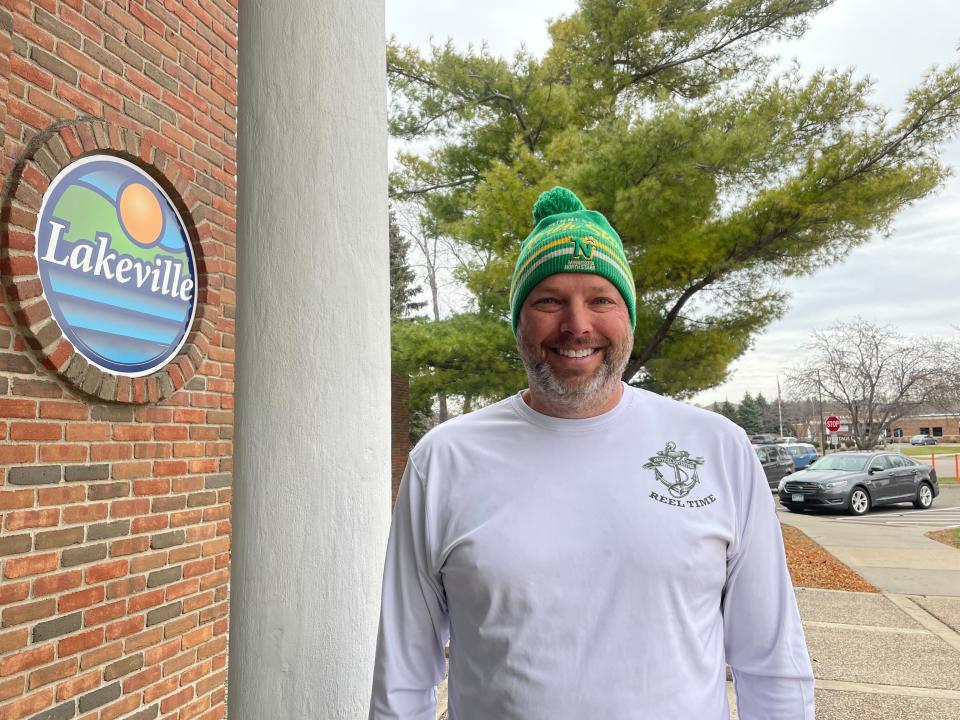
<point>583,248</point>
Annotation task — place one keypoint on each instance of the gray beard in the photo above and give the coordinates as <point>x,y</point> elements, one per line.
<point>581,397</point>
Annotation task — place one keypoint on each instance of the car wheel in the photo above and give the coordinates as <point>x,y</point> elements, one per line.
<point>859,501</point>
<point>924,497</point>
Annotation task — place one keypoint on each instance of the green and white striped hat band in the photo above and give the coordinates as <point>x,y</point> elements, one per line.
<point>569,238</point>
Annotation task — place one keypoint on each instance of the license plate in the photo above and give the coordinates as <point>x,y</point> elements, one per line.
<point>797,497</point>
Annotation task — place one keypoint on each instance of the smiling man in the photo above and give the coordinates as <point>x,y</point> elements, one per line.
<point>590,550</point>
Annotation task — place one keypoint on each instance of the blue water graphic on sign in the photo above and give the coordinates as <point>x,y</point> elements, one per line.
<point>116,265</point>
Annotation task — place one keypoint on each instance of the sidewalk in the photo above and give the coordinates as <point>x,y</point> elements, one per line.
<point>882,657</point>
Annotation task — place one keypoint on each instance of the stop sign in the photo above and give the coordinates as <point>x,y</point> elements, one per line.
<point>833,423</point>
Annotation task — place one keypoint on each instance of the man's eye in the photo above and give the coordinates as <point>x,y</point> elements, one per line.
<point>604,301</point>
<point>545,301</point>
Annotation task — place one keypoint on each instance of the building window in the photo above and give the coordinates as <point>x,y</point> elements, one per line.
<point>938,432</point>
<point>924,431</point>
<point>898,432</point>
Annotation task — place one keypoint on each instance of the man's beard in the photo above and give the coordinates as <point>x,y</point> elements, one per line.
<point>578,394</point>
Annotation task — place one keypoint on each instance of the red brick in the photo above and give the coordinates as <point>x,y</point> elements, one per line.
<point>127,586</point>
<point>26,659</point>
<point>158,486</point>
<point>16,499</point>
<point>130,470</point>
<point>188,517</point>
<point>182,589</point>
<point>17,409</point>
<point>120,708</point>
<point>198,568</point>
<point>80,599</point>
<point>85,513</point>
<point>149,523</point>
<point>190,416</point>
<point>52,584</point>
<point>112,451</point>
<point>176,700</point>
<point>105,613</point>
<point>125,627</point>
<point>170,432</point>
<point>35,431</point>
<point>147,600</point>
<point>88,432</point>
<point>62,453</point>
<point>80,642</point>
<point>79,685</point>
<point>107,571</point>
<point>129,546</point>
<point>158,654</point>
<point>16,639</point>
<point>129,507</point>
<point>132,432</point>
<point>63,411</point>
<point>32,565</point>
<point>14,592</point>
<point>32,519</point>
<point>62,495</point>
<point>11,688</point>
<point>14,454</point>
<point>160,689</point>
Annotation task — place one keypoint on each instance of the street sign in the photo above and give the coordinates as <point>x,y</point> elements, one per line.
<point>833,423</point>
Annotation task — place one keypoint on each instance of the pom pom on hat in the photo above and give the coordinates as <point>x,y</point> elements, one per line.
<point>555,201</point>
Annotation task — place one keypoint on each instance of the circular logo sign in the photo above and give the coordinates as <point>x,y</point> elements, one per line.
<point>833,423</point>
<point>116,265</point>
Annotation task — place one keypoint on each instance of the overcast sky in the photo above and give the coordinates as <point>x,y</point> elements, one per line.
<point>909,279</point>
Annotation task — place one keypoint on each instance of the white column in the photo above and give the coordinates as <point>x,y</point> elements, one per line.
<point>312,484</point>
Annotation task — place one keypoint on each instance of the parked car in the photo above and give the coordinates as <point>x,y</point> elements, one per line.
<point>762,439</point>
<point>923,440</point>
<point>777,462</point>
<point>803,454</point>
<point>856,481</point>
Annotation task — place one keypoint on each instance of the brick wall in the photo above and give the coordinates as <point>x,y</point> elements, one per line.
<point>115,493</point>
<point>399,430</point>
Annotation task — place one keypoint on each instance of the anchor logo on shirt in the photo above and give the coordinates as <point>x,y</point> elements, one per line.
<point>682,481</point>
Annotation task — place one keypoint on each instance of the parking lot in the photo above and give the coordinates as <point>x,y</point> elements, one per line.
<point>945,513</point>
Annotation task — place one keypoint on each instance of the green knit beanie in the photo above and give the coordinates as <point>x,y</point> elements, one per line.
<point>569,238</point>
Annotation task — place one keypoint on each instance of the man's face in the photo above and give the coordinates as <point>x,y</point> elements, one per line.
<point>575,339</point>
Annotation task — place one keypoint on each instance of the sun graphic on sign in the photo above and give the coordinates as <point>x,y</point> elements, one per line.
<point>140,214</point>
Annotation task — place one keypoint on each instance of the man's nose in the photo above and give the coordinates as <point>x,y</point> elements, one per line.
<point>576,319</point>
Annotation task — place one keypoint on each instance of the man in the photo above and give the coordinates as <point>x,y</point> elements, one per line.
<point>590,549</point>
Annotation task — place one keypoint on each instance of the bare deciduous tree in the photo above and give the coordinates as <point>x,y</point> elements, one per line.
<point>876,374</point>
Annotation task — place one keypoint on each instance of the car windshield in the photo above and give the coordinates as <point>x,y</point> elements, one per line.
<point>797,450</point>
<point>847,463</point>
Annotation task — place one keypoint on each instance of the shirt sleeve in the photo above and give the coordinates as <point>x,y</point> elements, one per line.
<point>763,634</point>
<point>413,615</point>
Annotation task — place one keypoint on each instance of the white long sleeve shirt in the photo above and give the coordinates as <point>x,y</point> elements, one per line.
<point>597,568</point>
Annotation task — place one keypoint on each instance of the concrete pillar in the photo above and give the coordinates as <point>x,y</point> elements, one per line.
<point>312,483</point>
